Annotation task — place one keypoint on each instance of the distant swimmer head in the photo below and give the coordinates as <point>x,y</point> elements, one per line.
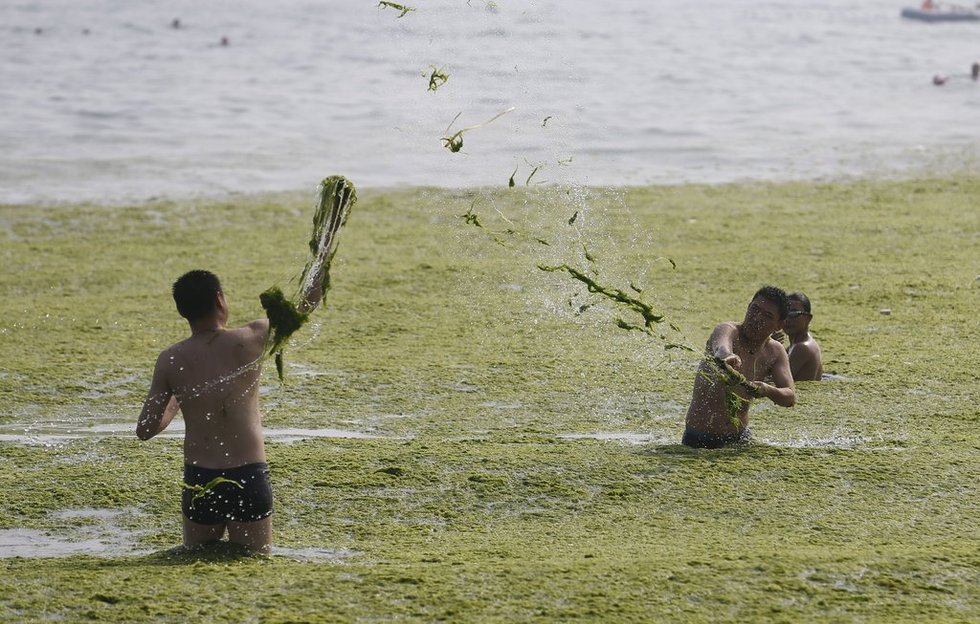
<point>975,71</point>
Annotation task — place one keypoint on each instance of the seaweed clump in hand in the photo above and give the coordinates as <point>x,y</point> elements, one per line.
<point>284,320</point>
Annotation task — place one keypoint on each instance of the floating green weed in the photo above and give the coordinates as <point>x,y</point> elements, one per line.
<point>500,236</point>
<point>454,142</point>
<point>437,77</point>
<point>650,318</point>
<point>405,10</point>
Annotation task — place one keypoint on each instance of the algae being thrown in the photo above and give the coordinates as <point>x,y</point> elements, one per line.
<point>405,10</point>
<point>437,78</point>
<point>336,197</point>
<point>454,142</point>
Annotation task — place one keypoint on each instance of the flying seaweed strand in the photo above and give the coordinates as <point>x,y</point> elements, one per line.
<point>471,218</point>
<point>454,142</point>
<point>437,77</point>
<point>723,372</point>
<point>405,10</point>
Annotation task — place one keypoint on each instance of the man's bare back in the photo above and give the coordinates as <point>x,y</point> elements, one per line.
<point>214,376</point>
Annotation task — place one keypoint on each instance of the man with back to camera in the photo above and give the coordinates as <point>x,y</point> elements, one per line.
<point>805,357</point>
<point>213,377</point>
<point>746,348</point>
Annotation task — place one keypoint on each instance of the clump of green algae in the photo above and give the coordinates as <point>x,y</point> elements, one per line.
<point>336,197</point>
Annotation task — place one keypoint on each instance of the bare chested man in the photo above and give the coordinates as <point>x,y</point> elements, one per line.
<point>747,348</point>
<point>213,377</point>
<point>805,357</point>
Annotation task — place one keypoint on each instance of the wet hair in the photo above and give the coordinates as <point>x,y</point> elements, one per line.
<point>798,296</point>
<point>194,293</point>
<point>777,296</point>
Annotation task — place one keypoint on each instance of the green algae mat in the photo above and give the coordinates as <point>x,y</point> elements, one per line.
<point>464,437</point>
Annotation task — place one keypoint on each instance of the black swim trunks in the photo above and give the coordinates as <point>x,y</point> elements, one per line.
<point>219,495</point>
<point>696,439</point>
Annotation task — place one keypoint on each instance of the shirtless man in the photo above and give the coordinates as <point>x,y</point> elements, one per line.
<point>746,348</point>
<point>213,377</point>
<point>805,358</point>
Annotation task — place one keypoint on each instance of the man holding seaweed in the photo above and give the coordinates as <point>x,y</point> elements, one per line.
<point>213,377</point>
<point>738,356</point>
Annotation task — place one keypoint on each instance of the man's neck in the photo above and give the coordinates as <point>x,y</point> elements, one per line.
<point>800,337</point>
<point>206,326</point>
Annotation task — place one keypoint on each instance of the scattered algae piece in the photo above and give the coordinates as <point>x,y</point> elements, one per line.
<point>200,491</point>
<point>471,218</point>
<point>405,10</point>
<point>336,196</point>
<point>650,317</point>
<point>437,78</point>
<point>454,142</point>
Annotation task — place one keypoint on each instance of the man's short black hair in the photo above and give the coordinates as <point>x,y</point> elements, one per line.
<point>777,296</point>
<point>798,296</point>
<point>194,293</point>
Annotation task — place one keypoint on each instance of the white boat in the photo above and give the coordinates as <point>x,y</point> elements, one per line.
<point>943,13</point>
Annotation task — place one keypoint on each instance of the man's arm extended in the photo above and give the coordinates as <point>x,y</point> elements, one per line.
<point>721,344</point>
<point>781,391</point>
<point>160,405</point>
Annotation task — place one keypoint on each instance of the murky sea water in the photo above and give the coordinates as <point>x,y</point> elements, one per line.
<point>108,101</point>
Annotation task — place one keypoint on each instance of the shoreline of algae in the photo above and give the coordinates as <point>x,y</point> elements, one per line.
<point>471,364</point>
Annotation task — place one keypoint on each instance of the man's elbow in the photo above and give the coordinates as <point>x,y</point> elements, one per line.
<point>145,430</point>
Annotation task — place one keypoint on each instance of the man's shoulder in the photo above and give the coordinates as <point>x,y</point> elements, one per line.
<point>807,347</point>
<point>775,349</point>
<point>256,327</point>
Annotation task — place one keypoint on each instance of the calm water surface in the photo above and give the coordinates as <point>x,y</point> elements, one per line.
<point>104,100</point>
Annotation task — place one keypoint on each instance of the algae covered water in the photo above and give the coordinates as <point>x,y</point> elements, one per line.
<point>470,438</point>
<point>110,100</point>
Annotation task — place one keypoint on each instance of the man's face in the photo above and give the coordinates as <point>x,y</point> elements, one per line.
<point>761,319</point>
<point>797,320</point>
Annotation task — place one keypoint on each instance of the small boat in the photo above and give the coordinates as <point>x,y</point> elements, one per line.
<point>948,13</point>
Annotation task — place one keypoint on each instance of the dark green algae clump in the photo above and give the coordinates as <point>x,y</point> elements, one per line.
<point>336,197</point>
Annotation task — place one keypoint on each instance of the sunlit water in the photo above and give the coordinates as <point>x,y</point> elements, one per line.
<point>102,533</point>
<point>105,101</point>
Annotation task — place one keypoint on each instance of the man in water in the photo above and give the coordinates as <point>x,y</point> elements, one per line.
<point>719,411</point>
<point>805,358</point>
<point>213,377</point>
